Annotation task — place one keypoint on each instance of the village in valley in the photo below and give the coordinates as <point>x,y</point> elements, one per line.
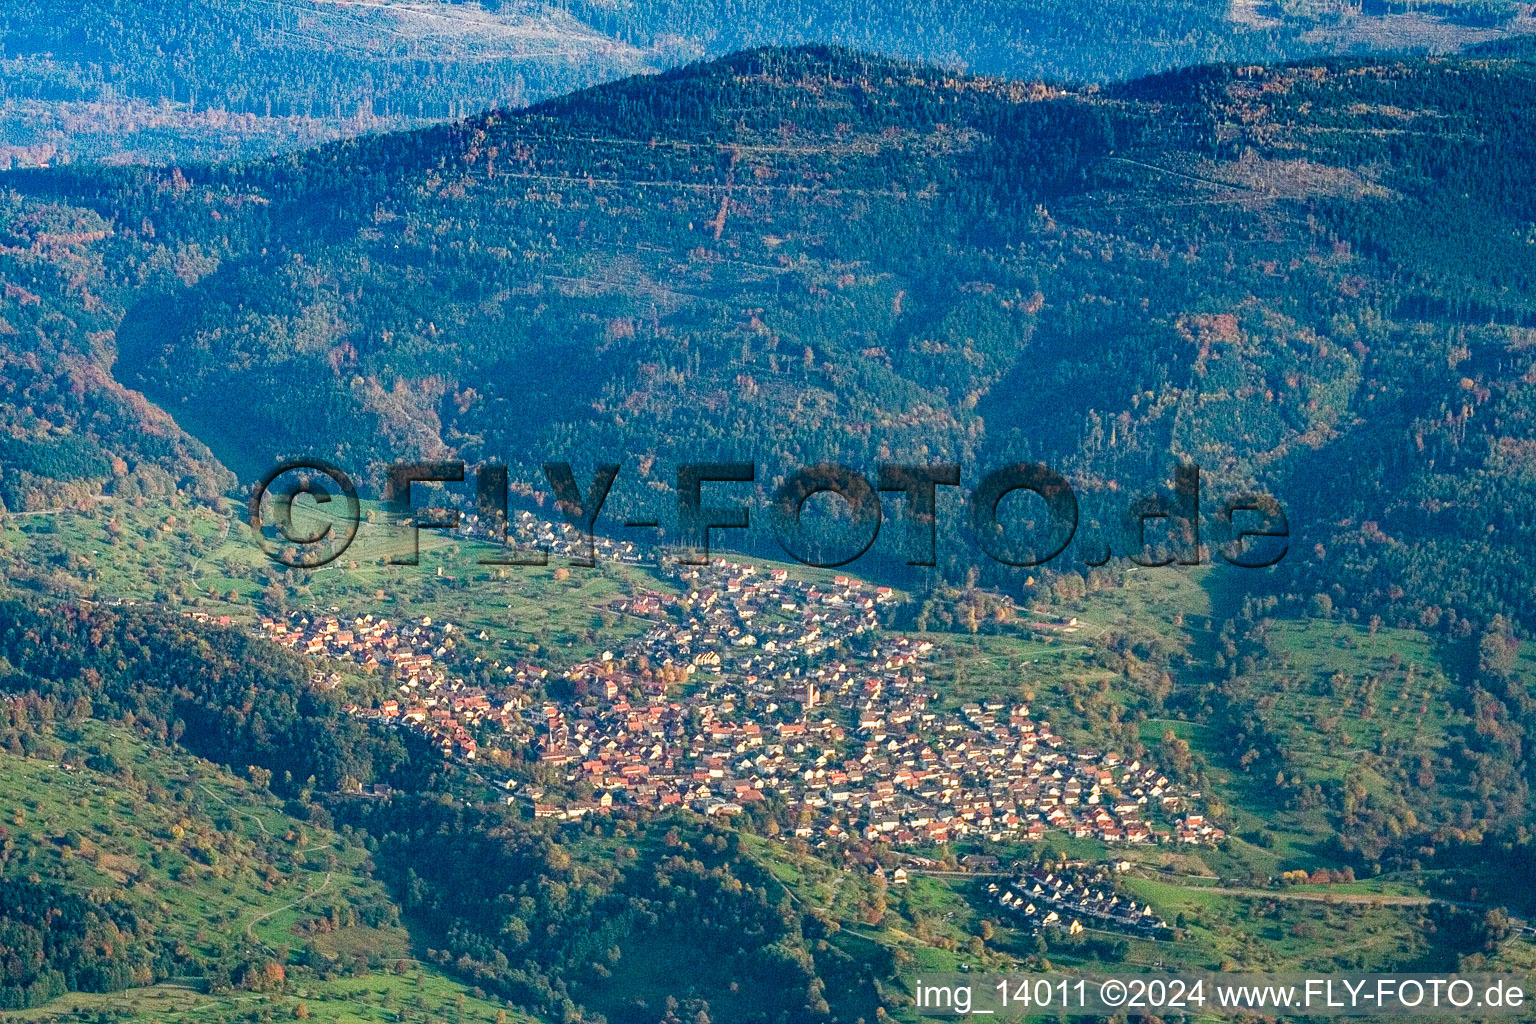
<point>749,685</point>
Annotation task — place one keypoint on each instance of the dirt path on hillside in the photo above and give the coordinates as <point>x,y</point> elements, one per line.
<point>253,922</point>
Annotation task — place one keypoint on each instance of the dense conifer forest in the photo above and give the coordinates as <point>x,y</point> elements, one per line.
<point>1313,272</point>
<point>136,81</point>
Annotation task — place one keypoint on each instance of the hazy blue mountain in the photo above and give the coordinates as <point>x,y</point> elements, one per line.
<point>133,81</point>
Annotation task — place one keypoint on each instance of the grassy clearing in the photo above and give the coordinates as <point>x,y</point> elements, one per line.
<point>203,849</point>
<point>202,558</point>
<point>1227,932</point>
<point>1376,709</point>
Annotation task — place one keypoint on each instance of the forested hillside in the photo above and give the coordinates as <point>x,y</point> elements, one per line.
<point>1312,279</point>
<point>130,867</point>
<point>70,427</point>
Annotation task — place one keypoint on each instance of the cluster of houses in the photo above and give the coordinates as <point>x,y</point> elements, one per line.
<point>855,749</point>
<point>752,688</point>
<point>417,655</point>
<point>527,532</point>
<point>414,652</point>
<point>791,695</point>
<point>1039,899</point>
